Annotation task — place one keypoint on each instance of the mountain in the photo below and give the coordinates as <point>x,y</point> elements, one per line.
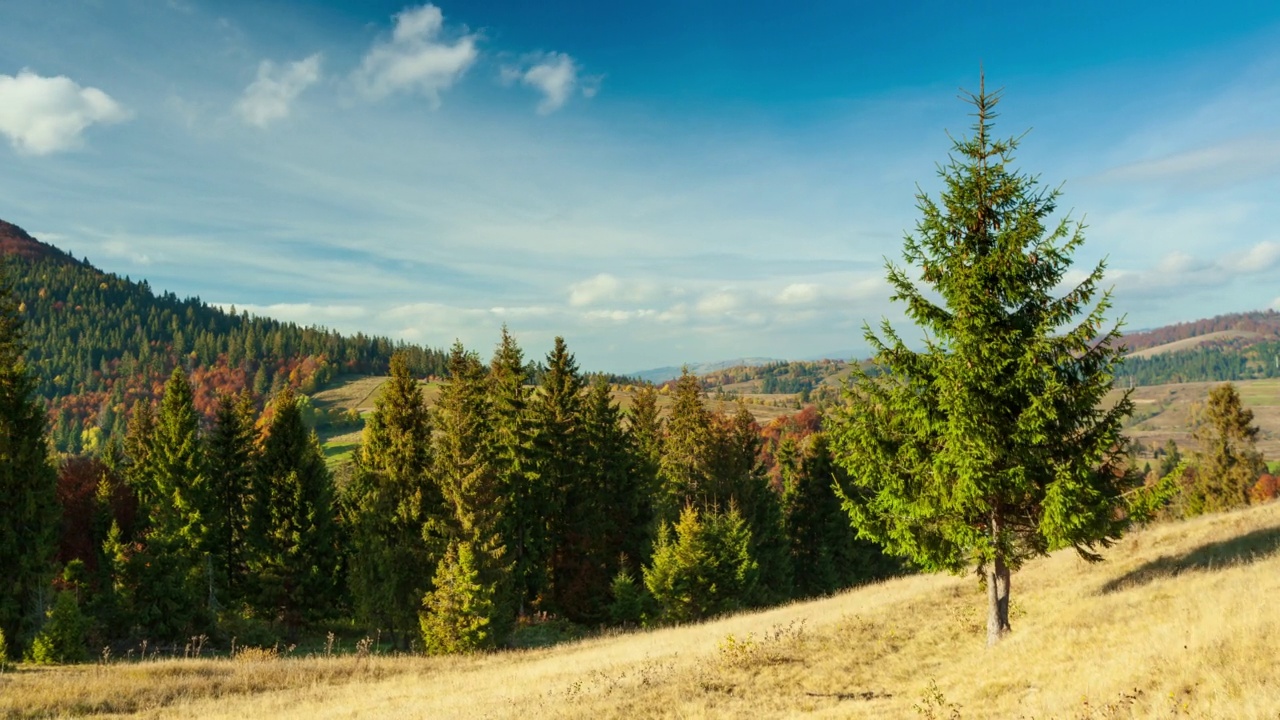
<point>670,372</point>
<point>98,343</point>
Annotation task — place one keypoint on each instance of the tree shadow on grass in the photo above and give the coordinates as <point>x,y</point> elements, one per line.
<point>1236,551</point>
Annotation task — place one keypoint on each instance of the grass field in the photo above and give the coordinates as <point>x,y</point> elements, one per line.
<point>1164,412</point>
<point>1175,623</point>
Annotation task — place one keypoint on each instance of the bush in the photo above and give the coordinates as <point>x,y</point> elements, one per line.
<point>4,653</point>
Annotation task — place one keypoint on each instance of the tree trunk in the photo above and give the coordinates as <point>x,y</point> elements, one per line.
<point>997,599</point>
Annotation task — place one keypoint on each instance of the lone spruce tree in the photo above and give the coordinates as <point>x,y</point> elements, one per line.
<point>991,445</point>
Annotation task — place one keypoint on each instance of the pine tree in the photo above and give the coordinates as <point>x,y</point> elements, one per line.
<point>575,517</point>
<point>741,480</point>
<point>624,482</point>
<point>295,562</point>
<point>530,502</point>
<point>702,567</point>
<point>990,446</point>
<point>460,612</point>
<point>28,505</point>
<point>465,469</point>
<point>687,451</point>
<point>395,510</point>
<point>232,455</point>
<point>178,474</point>
<point>1228,461</point>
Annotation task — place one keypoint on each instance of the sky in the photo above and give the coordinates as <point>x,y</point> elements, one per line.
<point>657,182</point>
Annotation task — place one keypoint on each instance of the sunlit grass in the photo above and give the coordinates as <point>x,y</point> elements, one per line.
<point>1176,623</point>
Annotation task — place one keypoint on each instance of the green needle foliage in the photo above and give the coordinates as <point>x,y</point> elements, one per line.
<point>295,563</point>
<point>992,444</point>
<point>391,499</point>
<point>28,507</point>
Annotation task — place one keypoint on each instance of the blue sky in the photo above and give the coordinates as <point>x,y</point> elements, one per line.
<point>660,183</point>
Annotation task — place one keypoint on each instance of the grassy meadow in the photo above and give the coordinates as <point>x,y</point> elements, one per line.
<point>1175,623</point>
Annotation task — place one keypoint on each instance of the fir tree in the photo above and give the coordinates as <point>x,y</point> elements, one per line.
<point>702,567</point>
<point>1228,462</point>
<point>28,505</point>
<point>460,612</point>
<point>530,502</point>
<point>395,510</point>
<point>687,451</point>
<point>178,474</point>
<point>468,477</point>
<point>575,518</point>
<point>991,445</point>
<point>295,562</point>
<point>232,455</point>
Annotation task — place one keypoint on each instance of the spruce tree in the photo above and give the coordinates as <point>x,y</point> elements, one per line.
<point>624,482</point>
<point>575,517</point>
<point>28,505</point>
<point>687,452</point>
<point>742,481</point>
<point>178,474</point>
<point>467,473</point>
<point>529,501</point>
<point>991,445</point>
<point>702,566</point>
<point>232,455</point>
<point>1228,461</point>
<point>391,500</point>
<point>295,562</point>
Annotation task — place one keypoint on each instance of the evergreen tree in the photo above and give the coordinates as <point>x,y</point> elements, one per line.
<point>742,481</point>
<point>623,479</point>
<point>178,475</point>
<point>575,520</point>
<point>687,451</point>
<point>465,469</point>
<point>529,501</point>
<point>460,612</point>
<point>295,563</point>
<point>232,454</point>
<point>395,510</point>
<point>990,446</point>
<point>702,567</point>
<point>1228,461</point>
<point>28,481</point>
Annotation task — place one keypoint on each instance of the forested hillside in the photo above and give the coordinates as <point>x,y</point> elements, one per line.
<point>98,342</point>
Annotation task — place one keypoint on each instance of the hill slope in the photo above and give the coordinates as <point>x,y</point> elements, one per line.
<point>1175,623</point>
<point>97,342</point>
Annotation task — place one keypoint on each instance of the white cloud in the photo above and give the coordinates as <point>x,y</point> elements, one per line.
<point>42,115</point>
<point>718,303</point>
<point>798,294</point>
<point>269,97</point>
<point>608,288</point>
<point>416,57</point>
<point>555,75</point>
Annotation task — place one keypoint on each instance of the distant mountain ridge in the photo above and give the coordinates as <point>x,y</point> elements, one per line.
<point>670,372</point>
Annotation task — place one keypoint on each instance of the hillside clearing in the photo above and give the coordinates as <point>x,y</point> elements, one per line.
<point>1174,624</point>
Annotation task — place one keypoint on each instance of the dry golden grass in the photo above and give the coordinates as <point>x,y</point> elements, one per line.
<point>1176,623</point>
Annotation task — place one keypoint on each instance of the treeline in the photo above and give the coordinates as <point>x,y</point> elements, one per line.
<point>1265,323</point>
<point>1203,364</point>
<point>98,342</point>
<point>506,504</point>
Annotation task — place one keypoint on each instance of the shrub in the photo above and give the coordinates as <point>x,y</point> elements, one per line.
<point>629,600</point>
